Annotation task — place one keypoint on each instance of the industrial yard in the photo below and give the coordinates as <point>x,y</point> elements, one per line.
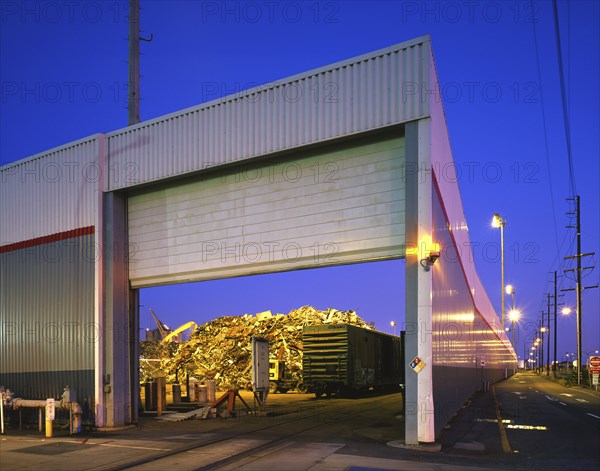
<point>328,352</point>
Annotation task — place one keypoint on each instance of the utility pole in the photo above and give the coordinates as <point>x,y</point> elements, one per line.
<point>554,365</point>
<point>541,346</point>
<point>133,83</point>
<point>548,343</point>
<point>578,287</point>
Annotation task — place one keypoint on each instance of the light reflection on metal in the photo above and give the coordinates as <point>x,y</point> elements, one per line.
<point>462,335</point>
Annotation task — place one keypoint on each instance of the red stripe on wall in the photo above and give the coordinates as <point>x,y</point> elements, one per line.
<point>82,231</point>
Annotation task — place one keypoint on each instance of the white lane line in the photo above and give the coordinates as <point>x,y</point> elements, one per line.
<point>594,416</point>
<point>562,403</point>
<point>565,394</point>
<point>114,445</point>
<point>550,398</point>
<point>581,400</point>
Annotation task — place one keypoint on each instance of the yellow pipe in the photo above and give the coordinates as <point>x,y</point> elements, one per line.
<point>48,428</point>
<point>41,403</point>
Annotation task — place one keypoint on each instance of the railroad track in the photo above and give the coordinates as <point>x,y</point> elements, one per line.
<point>226,451</point>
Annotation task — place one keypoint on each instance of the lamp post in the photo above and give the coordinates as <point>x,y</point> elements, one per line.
<point>565,311</point>
<point>393,324</point>
<point>513,316</point>
<point>543,330</point>
<point>499,222</point>
<point>510,289</point>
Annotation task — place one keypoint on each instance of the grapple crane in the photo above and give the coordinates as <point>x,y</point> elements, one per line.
<point>162,328</point>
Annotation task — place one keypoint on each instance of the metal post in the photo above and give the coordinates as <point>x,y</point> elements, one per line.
<point>133,84</point>
<point>40,426</point>
<point>2,412</point>
<point>502,224</point>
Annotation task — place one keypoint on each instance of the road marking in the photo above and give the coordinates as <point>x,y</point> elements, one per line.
<point>503,437</point>
<point>550,398</point>
<point>494,421</point>
<point>521,382</point>
<point>588,394</point>
<point>114,445</point>
<point>516,392</point>
<point>565,394</point>
<point>527,427</point>
<point>594,416</point>
<point>562,403</point>
<point>581,400</point>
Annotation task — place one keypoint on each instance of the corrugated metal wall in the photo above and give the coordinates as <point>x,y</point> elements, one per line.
<point>51,192</point>
<point>47,329</point>
<point>380,89</point>
<point>462,337</point>
<point>326,207</point>
<point>469,345</point>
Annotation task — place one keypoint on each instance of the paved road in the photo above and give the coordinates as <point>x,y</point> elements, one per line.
<point>545,426</point>
<point>551,426</point>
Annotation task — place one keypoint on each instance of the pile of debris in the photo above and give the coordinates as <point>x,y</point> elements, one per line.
<point>221,349</point>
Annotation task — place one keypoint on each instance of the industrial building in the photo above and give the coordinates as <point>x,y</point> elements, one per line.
<point>272,179</point>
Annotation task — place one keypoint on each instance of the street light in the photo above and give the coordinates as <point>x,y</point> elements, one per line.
<point>510,289</point>
<point>565,311</point>
<point>513,316</point>
<point>499,222</point>
<point>393,324</point>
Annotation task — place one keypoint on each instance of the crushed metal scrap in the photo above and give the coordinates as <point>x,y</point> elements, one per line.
<point>221,349</point>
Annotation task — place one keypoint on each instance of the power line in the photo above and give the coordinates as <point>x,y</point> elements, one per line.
<point>564,100</point>
<point>539,73</point>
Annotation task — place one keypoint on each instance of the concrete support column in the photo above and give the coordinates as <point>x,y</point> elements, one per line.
<point>419,412</point>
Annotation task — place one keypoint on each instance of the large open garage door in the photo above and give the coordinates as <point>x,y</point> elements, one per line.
<point>324,207</point>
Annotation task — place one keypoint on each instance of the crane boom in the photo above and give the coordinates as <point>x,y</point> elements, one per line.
<point>161,327</point>
<point>188,325</point>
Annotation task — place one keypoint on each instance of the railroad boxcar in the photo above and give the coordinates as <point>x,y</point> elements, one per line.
<point>344,359</point>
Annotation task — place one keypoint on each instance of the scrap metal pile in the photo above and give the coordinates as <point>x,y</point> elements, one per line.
<point>221,349</point>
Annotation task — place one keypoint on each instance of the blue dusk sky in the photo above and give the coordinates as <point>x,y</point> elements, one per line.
<point>63,73</point>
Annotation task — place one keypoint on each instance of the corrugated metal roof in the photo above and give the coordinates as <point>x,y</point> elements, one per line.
<point>373,91</point>
<point>376,90</point>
